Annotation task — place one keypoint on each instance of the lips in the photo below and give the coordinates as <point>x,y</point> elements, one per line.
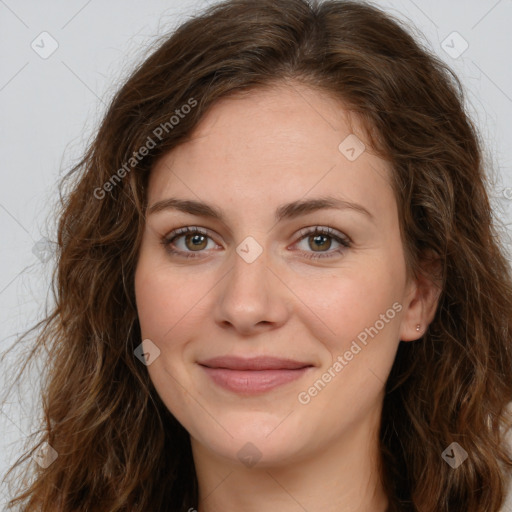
<point>253,375</point>
<point>256,363</point>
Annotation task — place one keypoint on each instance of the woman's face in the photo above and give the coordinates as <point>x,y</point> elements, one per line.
<point>274,342</point>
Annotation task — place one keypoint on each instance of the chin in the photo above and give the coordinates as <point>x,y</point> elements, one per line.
<point>257,439</point>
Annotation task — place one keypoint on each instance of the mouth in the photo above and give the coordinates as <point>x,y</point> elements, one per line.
<point>255,375</point>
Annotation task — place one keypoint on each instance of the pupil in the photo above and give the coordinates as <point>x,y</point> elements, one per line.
<point>197,240</point>
<point>317,238</point>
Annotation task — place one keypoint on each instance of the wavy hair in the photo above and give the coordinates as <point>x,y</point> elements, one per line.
<point>119,448</point>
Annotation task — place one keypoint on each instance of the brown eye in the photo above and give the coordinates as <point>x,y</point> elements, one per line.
<point>197,241</point>
<point>188,242</point>
<point>319,240</point>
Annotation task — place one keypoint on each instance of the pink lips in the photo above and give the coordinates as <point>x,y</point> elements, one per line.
<point>255,375</point>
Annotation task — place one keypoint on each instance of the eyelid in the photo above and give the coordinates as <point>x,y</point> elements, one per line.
<point>302,232</point>
<point>325,229</point>
<point>175,233</point>
<point>344,240</point>
<point>339,237</point>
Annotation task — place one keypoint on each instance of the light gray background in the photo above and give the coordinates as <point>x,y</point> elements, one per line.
<point>50,107</point>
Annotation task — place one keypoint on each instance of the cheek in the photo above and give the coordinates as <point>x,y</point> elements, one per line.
<point>167,316</point>
<point>346,304</point>
<point>166,300</point>
<point>361,312</point>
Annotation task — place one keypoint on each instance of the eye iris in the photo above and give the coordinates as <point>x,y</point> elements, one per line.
<point>317,240</point>
<point>197,240</point>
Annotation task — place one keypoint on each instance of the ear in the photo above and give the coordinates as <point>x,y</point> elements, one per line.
<point>421,301</point>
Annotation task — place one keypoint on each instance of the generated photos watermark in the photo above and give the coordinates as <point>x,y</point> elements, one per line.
<point>304,397</point>
<point>150,143</point>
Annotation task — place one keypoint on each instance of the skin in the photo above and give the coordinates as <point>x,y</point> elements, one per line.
<point>250,154</point>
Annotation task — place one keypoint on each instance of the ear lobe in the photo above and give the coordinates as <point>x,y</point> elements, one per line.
<point>423,299</point>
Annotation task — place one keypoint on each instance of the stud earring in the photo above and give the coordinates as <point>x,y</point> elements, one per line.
<point>418,327</point>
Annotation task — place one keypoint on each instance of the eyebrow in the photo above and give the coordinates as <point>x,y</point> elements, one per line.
<point>286,211</point>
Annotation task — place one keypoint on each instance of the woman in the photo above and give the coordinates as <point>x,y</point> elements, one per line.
<point>211,349</point>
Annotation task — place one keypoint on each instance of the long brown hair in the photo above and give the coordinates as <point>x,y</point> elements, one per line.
<point>119,448</point>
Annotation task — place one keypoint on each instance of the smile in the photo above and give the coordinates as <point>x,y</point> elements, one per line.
<point>253,376</point>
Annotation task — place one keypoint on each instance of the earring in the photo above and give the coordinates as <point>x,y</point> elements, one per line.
<point>418,327</point>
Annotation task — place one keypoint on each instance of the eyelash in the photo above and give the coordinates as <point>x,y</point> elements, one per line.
<point>345,242</point>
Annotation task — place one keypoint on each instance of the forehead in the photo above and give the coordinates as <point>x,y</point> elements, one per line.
<point>272,145</point>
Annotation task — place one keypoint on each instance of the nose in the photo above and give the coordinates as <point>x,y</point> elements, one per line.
<point>251,297</point>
